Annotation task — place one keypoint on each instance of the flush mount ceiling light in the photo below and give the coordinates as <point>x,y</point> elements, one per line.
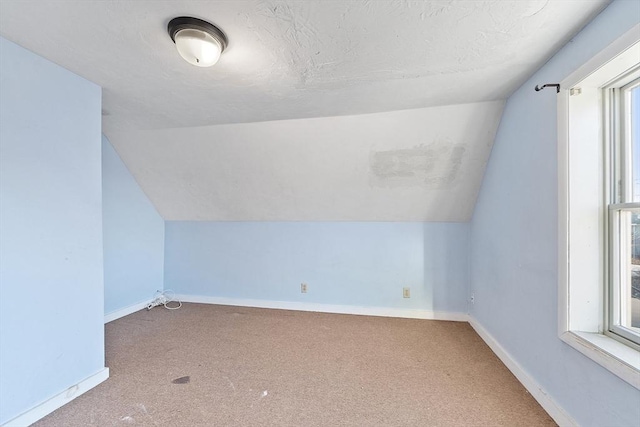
<point>198,42</point>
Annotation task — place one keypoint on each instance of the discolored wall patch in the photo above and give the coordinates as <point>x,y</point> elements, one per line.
<point>434,166</point>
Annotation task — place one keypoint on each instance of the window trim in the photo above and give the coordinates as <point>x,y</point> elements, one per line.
<point>590,339</point>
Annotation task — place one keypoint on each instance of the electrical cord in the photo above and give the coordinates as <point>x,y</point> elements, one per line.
<point>164,298</point>
<point>171,298</point>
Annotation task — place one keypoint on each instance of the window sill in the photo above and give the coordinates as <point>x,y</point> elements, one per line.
<point>618,358</point>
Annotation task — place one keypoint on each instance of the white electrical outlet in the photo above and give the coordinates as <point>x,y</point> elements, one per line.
<point>406,292</point>
<point>303,288</point>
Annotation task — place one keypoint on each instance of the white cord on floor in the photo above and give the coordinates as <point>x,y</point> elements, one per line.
<point>164,298</point>
<point>170,296</point>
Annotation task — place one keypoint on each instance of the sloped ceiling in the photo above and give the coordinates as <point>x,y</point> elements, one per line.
<point>412,165</point>
<point>302,60</point>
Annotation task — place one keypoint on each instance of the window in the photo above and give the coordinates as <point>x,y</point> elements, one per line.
<point>622,143</point>
<point>599,208</point>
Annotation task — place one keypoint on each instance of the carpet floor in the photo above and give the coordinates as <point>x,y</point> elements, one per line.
<point>210,365</point>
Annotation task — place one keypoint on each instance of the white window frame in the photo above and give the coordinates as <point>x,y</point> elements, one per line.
<point>582,265</point>
<point>619,196</point>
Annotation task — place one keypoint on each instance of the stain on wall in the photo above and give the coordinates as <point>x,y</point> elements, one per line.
<point>433,166</point>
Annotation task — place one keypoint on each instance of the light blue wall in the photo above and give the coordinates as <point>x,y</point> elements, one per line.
<point>514,241</point>
<point>347,263</point>
<point>51,285</point>
<point>133,237</point>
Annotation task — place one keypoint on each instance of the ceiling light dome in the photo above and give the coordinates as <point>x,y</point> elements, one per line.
<point>198,42</point>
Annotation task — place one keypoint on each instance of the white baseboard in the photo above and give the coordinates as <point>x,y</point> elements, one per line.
<point>548,404</point>
<point>50,405</point>
<point>409,313</point>
<point>126,311</point>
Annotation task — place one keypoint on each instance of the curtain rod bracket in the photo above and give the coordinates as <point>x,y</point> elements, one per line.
<point>556,85</point>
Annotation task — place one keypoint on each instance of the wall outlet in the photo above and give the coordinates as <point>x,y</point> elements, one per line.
<point>406,292</point>
<point>303,288</point>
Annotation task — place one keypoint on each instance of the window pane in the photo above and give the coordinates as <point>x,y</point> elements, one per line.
<point>634,129</point>
<point>626,283</point>
<point>630,313</point>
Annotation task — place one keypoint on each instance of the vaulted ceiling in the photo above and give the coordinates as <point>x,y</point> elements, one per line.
<point>187,133</point>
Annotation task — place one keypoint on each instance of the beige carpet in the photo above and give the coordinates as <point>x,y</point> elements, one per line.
<point>208,365</point>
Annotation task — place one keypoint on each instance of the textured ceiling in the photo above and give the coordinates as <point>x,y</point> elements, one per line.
<point>295,59</point>
<point>189,135</point>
